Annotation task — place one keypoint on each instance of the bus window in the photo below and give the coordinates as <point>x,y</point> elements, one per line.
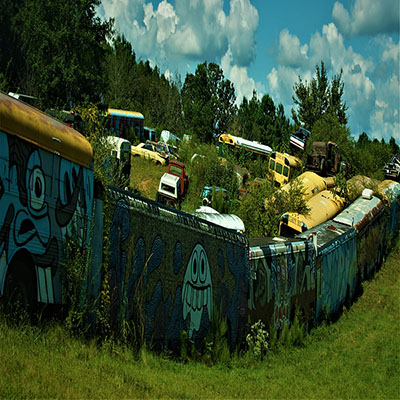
<point>286,171</point>
<point>272,164</point>
<point>279,168</point>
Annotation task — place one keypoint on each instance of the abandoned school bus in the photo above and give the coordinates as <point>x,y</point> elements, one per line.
<point>46,182</point>
<point>310,183</point>
<point>282,167</point>
<point>323,206</point>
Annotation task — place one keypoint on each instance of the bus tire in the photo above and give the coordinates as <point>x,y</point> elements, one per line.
<point>20,290</point>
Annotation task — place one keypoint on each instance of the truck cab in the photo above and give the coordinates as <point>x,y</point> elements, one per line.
<point>173,184</point>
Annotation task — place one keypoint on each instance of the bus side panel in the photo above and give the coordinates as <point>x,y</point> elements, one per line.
<point>371,247</point>
<point>336,275</point>
<point>282,278</point>
<point>394,210</point>
<point>170,271</point>
<point>41,197</point>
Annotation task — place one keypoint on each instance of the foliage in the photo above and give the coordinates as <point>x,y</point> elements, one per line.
<point>59,42</point>
<point>293,335</point>
<point>157,98</point>
<point>262,206</point>
<point>3,82</point>
<point>370,156</point>
<point>262,121</point>
<point>106,173</point>
<point>220,201</point>
<point>208,101</point>
<point>77,258</point>
<point>106,170</point>
<point>214,349</point>
<point>206,170</point>
<point>257,341</point>
<point>318,98</point>
<point>119,66</point>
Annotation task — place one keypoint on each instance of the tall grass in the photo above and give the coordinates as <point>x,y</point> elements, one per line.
<point>357,357</point>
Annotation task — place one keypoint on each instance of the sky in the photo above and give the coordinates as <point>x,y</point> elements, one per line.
<point>266,46</point>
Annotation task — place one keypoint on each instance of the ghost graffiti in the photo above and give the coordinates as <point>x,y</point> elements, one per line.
<point>197,289</point>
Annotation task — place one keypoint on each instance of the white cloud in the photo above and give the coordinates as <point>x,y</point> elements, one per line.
<point>290,51</point>
<point>192,30</point>
<point>244,85</point>
<point>190,33</point>
<point>241,25</point>
<point>367,17</point>
<point>166,21</point>
<point>372,98</point>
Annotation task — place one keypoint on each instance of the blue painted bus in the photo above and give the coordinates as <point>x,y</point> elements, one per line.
<point>46,193</point>
<point>126,124</point>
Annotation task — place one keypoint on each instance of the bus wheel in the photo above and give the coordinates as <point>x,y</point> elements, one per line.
<point>19,292</point>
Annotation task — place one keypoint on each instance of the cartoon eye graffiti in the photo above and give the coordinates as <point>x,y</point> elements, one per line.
<point>67,189</point>
<point>194,267</point>
<point>37,189</point>
<point>203,270</point>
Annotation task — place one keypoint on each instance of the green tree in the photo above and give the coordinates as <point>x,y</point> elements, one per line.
<point>372,155</point>
<point>119,66</point>
<point>208,101</point>
<point>394,146</point>
<point>157,98</point>
<point>11,59</point>
<point>62,43</point>
<point>248,117</point>
<point>318,98</point>
<point>262,121</point>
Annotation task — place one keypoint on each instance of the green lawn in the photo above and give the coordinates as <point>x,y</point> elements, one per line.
<point>357,357</point>
<point>145,176</point>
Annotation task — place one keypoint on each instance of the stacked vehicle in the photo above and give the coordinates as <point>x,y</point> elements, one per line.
<point>392,169</point>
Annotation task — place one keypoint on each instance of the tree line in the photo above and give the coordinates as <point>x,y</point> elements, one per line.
<point>62,53</point>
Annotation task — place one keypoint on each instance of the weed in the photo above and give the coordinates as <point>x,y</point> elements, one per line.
<point>257,341</point>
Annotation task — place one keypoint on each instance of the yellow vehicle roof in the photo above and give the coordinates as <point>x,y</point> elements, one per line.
<point>288,159</point>
<point>312,184</point>
<point>33,125</point>
<point>323,206</point>
<point>226,138</point>
<point>124,113</point>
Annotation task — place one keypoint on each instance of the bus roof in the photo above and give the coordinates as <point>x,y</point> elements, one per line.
<point>287,158</point>
<point>117,141</point>
<point>247,144</point>
<point>33,125</point>
<point>124,113</point>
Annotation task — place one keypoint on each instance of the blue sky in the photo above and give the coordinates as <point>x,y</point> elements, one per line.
<point>266,46</point>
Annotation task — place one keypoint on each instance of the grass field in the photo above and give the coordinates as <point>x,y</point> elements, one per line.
<point>145,176</point>
<point>357,357</point>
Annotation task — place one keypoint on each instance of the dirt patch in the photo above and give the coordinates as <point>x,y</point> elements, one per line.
<point>146,187</point>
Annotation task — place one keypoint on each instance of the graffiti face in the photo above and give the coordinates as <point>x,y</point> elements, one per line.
<point>197,289</point>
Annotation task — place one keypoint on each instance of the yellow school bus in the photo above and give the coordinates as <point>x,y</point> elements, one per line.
<point>323,206</point>
<point>282,166</point>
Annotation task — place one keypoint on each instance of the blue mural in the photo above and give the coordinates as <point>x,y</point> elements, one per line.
<point>336,271</point>
<point>43,199</point>
<point>282,278</point>
<point>175,272</point>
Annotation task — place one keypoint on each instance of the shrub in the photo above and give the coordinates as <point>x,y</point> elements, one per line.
<point>257,341</point>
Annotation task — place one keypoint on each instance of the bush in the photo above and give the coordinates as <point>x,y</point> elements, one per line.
<point>262,206</point>
<point>257,341</point>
